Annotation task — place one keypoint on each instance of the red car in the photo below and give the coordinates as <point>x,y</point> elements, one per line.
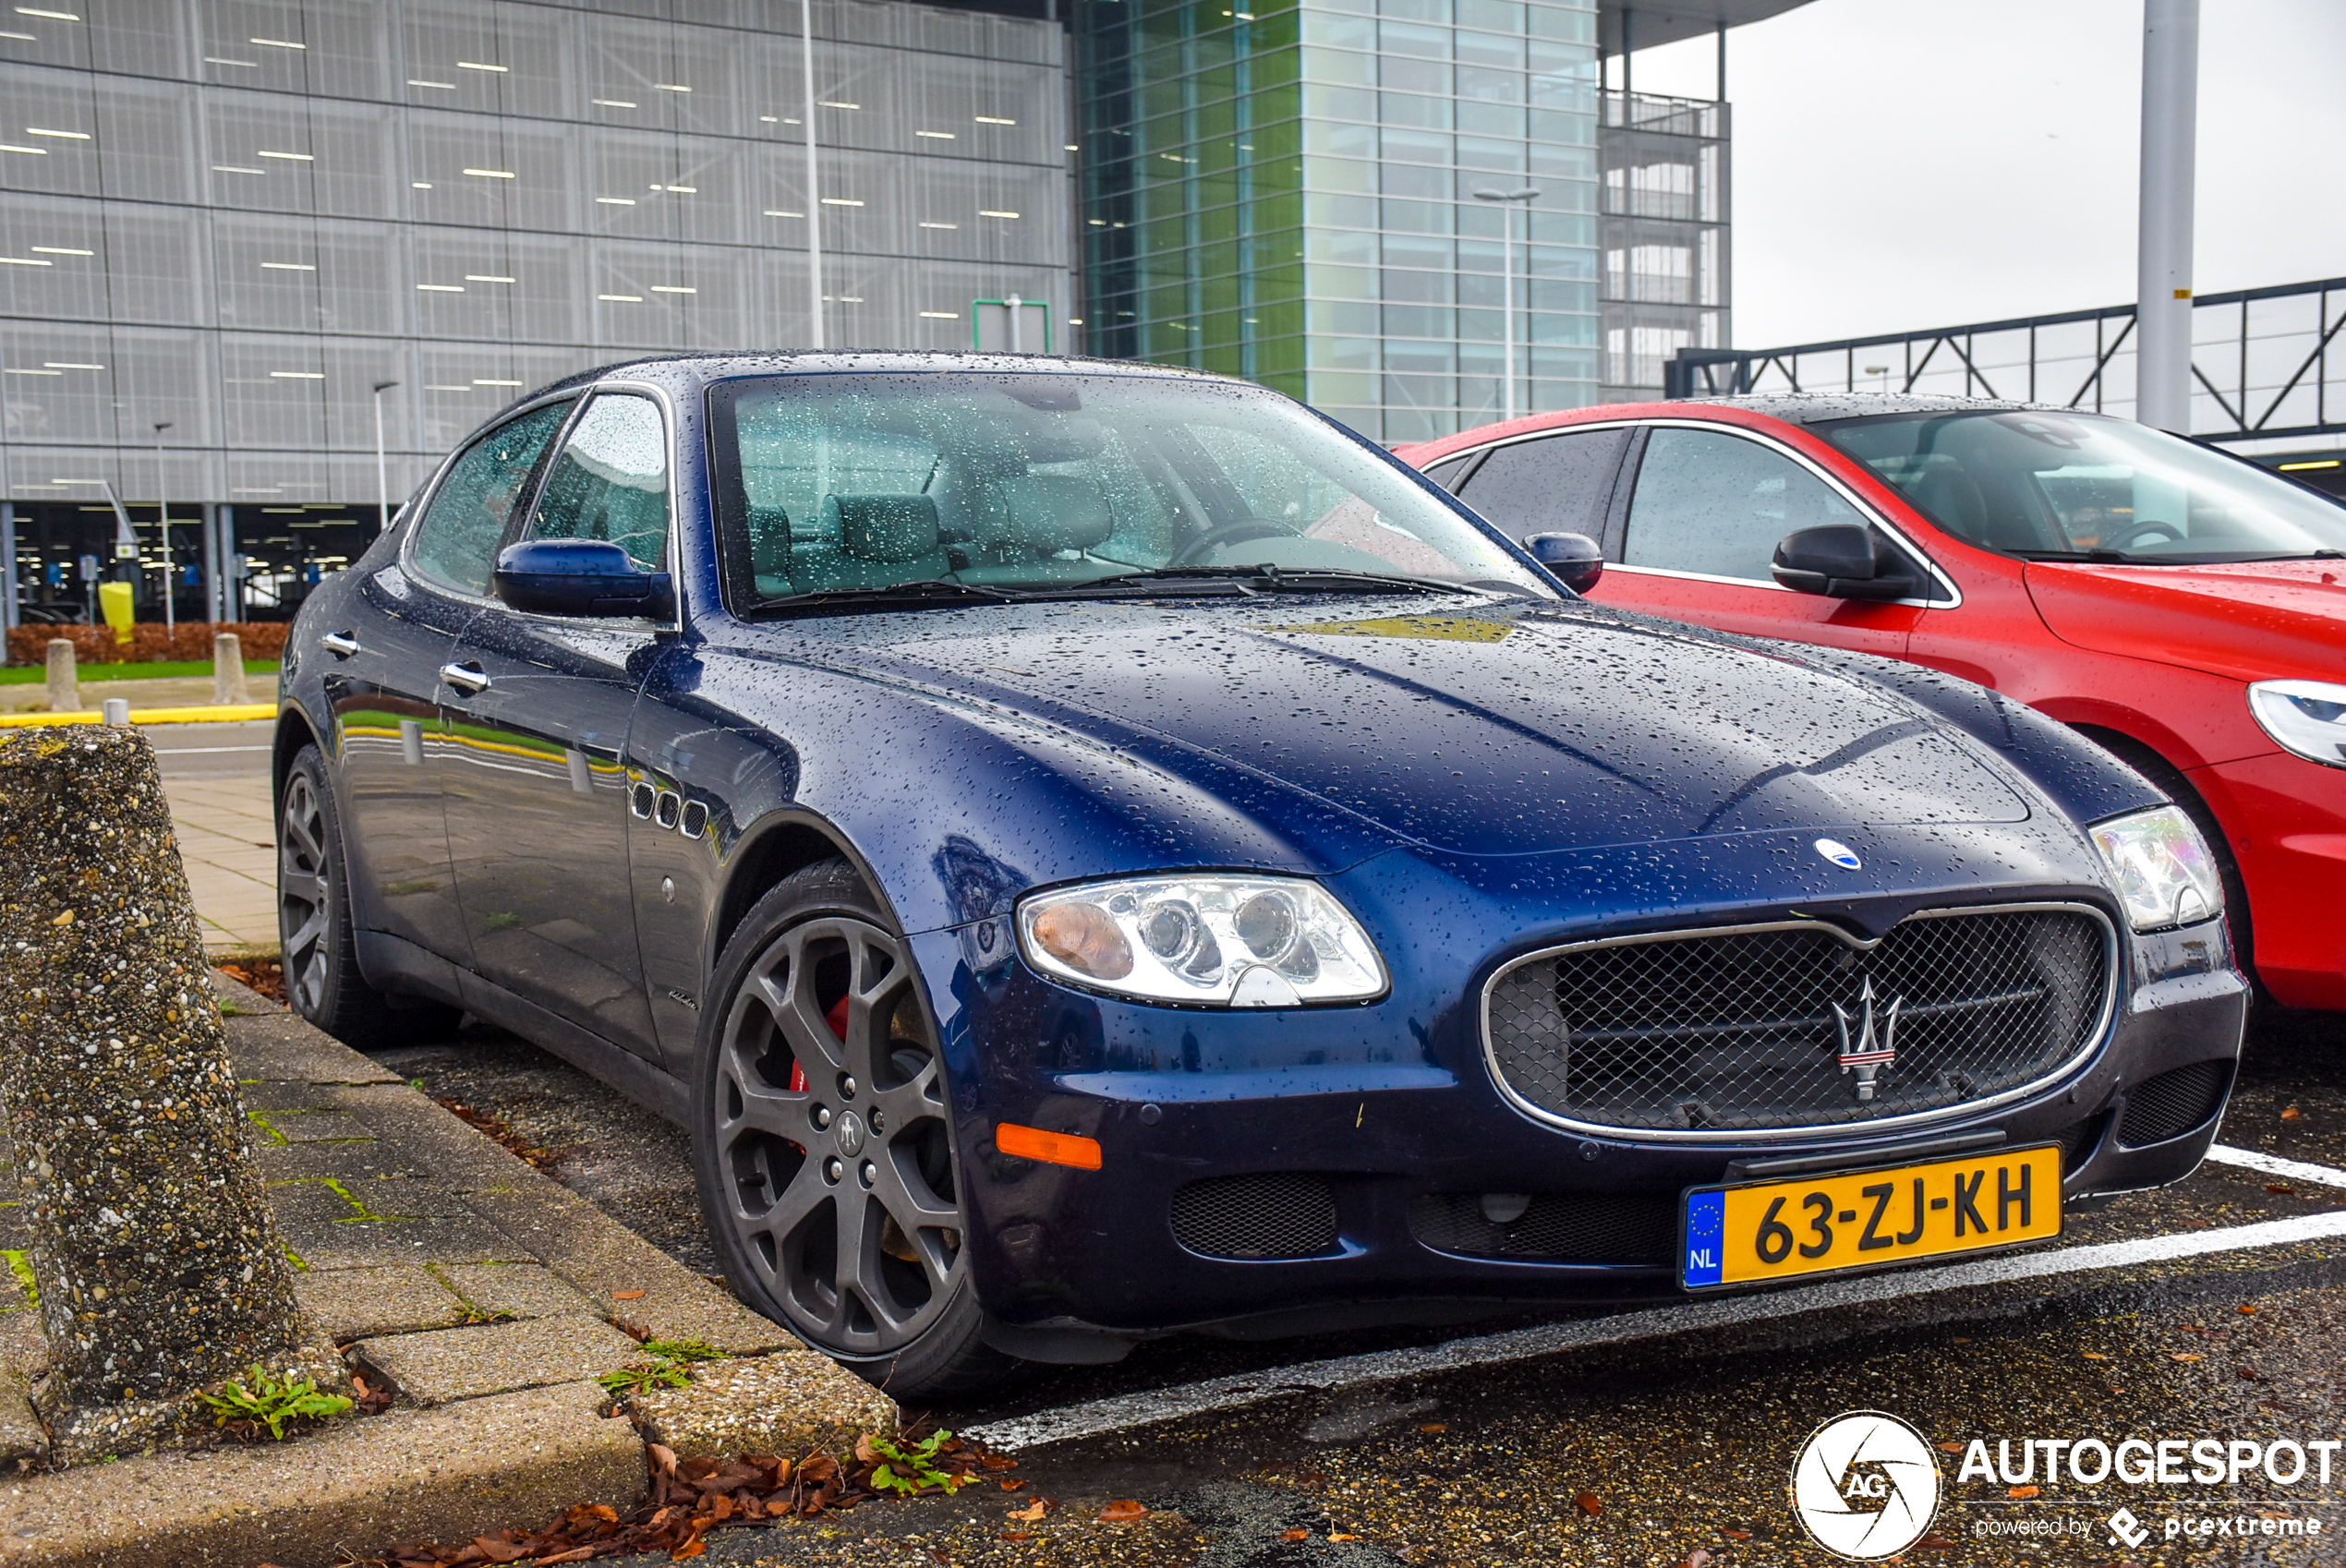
<point>2183,607</point>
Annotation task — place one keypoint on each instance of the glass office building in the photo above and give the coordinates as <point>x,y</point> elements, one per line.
<point>232,218</point>
<point>1288,194</point>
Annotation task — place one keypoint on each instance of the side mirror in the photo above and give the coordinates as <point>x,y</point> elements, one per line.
<point>1841,561</point>
<point>579,577</point>
<point>1573,559</point>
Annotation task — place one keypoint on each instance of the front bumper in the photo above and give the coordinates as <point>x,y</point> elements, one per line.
<point>2286,820</point>
<point>1382,1106</point>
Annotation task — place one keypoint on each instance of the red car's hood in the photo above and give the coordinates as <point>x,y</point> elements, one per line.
<point>2254,620</point>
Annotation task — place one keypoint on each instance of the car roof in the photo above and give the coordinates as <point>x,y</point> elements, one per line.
<point>1815,408</point>
<point>717,367</point>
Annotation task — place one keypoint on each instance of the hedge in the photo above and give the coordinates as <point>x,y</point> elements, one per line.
<point>188,640</point>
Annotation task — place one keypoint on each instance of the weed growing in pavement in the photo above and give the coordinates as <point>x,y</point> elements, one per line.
<point>671,1367</point>
<point>911,1468</point>
<point>270,1402</point>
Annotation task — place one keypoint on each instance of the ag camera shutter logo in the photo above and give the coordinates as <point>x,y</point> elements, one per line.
<point>1866,1486</point>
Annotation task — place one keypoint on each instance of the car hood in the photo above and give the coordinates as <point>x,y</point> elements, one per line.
<point>2252,620</point>
<point>1503,729</point>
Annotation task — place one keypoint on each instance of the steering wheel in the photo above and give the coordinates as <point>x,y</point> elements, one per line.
<point>2140,531</point>
<point>1228,533</point>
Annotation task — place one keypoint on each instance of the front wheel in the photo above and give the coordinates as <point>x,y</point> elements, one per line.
<point>822,1142</point>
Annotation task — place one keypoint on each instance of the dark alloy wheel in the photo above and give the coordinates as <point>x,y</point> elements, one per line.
<point>315,943</point>
<point>822,1139</point>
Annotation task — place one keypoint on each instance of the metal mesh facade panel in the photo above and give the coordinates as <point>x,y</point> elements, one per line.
<point>1726,1033</point>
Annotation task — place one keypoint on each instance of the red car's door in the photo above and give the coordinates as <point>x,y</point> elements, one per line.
<point>1706,509</point>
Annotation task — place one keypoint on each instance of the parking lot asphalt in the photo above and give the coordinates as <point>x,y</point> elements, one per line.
<point>1656,1434</point>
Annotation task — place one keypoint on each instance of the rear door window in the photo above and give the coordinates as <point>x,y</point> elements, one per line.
<point>1549,485</point>
<point>1718,504</point>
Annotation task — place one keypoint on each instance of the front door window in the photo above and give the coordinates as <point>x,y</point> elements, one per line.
<point>1718,504</point>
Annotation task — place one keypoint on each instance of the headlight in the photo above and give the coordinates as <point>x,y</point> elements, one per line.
<point>2306,717</point>
<point>2165,874</point>
<point>1208,940</point>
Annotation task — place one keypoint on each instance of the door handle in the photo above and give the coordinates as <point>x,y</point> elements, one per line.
<point>468,679</point>
<point>341,645</point>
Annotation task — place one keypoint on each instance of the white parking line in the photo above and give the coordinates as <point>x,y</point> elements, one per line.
<point>2273,1164</point>
<point>1126,1411</point>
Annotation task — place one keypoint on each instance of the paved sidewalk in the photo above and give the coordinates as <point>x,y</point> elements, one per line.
<point>216,777</point>
<point>486,1297</point>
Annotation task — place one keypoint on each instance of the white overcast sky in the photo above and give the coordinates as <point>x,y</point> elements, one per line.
<point>1901,165</point>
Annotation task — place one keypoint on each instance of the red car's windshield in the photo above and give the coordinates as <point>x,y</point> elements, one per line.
<point>2057,486</point>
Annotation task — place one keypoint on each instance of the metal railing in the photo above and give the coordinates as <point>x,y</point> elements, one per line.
<point>2261,363</point>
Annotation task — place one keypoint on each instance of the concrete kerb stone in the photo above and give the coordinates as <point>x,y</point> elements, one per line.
<point>796,1401</point>
<point>345,1493</point>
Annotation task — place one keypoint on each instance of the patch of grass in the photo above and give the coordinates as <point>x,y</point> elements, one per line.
<point>670,1366</point>
<point>21,1266</point>
<point>269,1403</point>
<point>155,670</point>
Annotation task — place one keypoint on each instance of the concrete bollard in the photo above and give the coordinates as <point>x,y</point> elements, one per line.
<point>153,1250</point>
<point>227,669</point>
<point>64,683</point>
<point>117,711</point>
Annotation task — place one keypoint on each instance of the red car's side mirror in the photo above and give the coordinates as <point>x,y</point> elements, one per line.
<point>1841,561</point>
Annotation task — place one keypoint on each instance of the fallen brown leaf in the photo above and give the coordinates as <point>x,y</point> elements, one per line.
<point>2251,1374</point>
<point>663,1458</point>
<point>1434,1426</point>
<point>2186,1355</point>
<point>2022,1491</point>
<point>2281,1187</point>
<point>1034,1511</point>
<point>629,1295</point>
<point>1017,1535</point>
<point>1734,1534</point>
<point>1123,1511</point>
<point>1340,1536</point>
<point>1012,1486</point>
<point>1587,1503</point>
<point>1698,1557</point>
<point>2245,1311</point>
<point>2093,1356</point>
<point>1295,1535</point>
<point>1950,1448</point>
<point>1935,1543</point>
<point>2290,1114</point>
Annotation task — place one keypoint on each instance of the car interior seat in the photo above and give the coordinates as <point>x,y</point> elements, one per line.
<point>1032,521</point>
<point>869,541</point>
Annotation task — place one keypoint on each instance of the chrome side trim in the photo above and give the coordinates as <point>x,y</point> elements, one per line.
<point>2096,1038</point>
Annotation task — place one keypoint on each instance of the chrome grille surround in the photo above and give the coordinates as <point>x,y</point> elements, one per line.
<point>1529,1048</point>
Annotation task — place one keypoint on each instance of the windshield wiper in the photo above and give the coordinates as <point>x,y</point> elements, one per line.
<point>1280,579</point>
<point>2104,557</point>
<point>920,591</point>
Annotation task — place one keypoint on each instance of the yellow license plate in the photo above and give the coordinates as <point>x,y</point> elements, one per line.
<point>1773,1230</point>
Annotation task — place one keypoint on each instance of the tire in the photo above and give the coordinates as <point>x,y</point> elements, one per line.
<point>315,944</point>
<point>835,1205</point>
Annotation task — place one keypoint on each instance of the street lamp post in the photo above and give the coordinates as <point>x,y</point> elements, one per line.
<point>163,526</point>
<point>1508,201</point>
<point>2162,285</point>
<point>814,192</point>
<point>382,468</point>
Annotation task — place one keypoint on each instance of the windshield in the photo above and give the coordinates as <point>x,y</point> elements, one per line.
<point>1055,482</point>
<point>2056,484</point>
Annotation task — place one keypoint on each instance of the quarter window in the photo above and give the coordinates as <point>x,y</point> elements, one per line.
<point>1553,485</point>
<point>456,542</point>
<point>610,482</point>
<point>1718,504</point>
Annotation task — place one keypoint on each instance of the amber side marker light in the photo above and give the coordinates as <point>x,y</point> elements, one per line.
<point>1050,1148</point>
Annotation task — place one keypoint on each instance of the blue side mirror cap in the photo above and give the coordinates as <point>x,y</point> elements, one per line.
<point>588,578</point>
<point>1573,559</point>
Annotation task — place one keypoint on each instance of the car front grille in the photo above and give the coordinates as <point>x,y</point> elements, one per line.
<point>1553,1228</point>
<point>1708,1035</point>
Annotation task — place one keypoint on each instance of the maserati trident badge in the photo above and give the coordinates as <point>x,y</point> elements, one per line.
<point>1873,1048</point>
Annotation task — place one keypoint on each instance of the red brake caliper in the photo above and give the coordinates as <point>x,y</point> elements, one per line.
<point>837,1018</point>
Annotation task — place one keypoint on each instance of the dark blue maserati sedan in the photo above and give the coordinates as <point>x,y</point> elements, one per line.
<point>1090,850</point>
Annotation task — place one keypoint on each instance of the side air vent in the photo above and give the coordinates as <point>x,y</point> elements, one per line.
<point>695,818</point>
<point>1281,1215</point>
<point>2174,1103</point>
